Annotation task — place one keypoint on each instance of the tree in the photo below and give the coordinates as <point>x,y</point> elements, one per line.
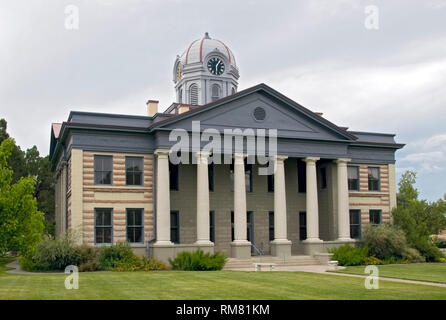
<point>21,224</point>
<point>31,164</point>
<point>418,218</point>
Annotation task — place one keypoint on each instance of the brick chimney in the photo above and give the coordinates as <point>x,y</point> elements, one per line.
<point>183,108</point>
<point>152,107</point>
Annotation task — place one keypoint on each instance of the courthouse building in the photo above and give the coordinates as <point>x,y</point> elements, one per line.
<point>115,181</point>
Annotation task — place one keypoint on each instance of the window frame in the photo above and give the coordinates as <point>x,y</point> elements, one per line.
<point>97,171</point>
<point>174,186</point>
<point>127,226</point>
<point>301,176</point>
<point>103,227</point>
<point>377,180</point>
<point>271,225</point>
<point>176,228</point>
<point>133,172</point>
<point>357,179</point>
<point>355,225</point>
<point>212,226</point>
<point>303,226</point>
<point>374,211</point>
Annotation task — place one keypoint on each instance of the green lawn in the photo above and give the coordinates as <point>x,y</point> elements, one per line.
<point>218,285</point>
<point>435,272</point>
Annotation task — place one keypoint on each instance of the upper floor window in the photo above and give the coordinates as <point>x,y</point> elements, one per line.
<point>103,169</point>
<point>135,227</point>
<point>323,178</point>
<point>270,178</point>
<point>302,225</point>
<point>193,95</point>
<point>215,92</point>
<point>302,176</point>
<point>211,176</point>
<point>271,225</point>
<point>175,226</point>
<point>353,178</point>
<point>374,183</point>
<point>134,171</point>
<point>173,176</point>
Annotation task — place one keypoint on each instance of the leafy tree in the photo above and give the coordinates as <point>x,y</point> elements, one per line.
<point>418,218</point>
<point>21,224</point>
<point>31,164</point>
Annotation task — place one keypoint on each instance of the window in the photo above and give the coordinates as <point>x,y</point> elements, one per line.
<point>233,90</point>
<point>248,177</point>
<point>374,184</point>
<point>103,169</point>
<point>180,95</point>
<point>193,95</point>
<point>323,178</point>
<point>175,226</point>
<point>211,176</point>
<point>302,225</point>
<point>103,225</point>
<point>133,171</point>
<point>375,216</point>
<point>271,225</point>
<point>135,229</point>
<point>353,178</point>
<point>212,226</point>
<point>302,176</point>
<point>355,224</point>
<point>173,176</point>
<point>232,225</point>
<point>215,92</point>
<point>270,178</point>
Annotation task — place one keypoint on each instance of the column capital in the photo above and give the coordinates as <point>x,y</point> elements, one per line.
<point>278,158</point>
<point>311,159</point>
<point>202,157</point>
<point>342,160</point>
<point>162,153</point>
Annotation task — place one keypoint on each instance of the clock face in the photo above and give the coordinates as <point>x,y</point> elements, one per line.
<point>216,66</point>
<point>179,72</point>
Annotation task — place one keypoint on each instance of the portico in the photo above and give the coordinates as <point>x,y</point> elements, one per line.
<point>240,245</point>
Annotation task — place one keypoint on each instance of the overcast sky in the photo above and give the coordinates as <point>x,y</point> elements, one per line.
<point>318,53</point>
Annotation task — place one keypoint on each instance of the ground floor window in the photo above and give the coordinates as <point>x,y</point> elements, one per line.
<point>212,226</point>
<point>175,226</point>
<point>135,229</point>
<point>103,225</point>
<point>302,225</point>
<point>375,216</point>
<point>271,225</point>
<point>355,224</point>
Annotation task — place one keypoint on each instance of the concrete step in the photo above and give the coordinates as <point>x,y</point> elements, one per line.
<point>292,261</point>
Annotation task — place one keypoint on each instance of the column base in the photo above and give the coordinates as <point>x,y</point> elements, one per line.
<point>204,243</point>
<point>312,246</point>
<point>281,248</point>
<point>345,240</point>
<point>241,249</point>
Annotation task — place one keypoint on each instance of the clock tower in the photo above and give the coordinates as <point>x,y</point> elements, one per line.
<point>205,72</point>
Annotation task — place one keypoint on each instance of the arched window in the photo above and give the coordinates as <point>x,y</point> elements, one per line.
<point>215,92</point>
<point>193,95</point>
<point>233,90</point>
<point>180,95</point>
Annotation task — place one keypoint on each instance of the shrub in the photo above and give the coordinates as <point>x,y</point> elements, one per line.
<point>413,255</point>
<point>428,250</point>
<point>198,261</point>
<point>151,264</point>
<point>52,254</point>
<point>373,261</point>
<point>347,255</point>
<point>385,241</point>
<point>119,255</point>
<point>88,258</point>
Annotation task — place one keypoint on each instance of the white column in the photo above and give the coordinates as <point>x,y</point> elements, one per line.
<point>202,198</point>
<point>343,202</point>
<point>280,222</point>
<point>240,231</point>
<point>312,201</point>
<point>162,198</point>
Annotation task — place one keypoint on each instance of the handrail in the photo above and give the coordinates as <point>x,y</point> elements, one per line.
<point>259,252</point>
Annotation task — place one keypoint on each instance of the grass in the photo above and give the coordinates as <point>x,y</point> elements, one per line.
<point>218,285</point>
<point>433,272</point>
